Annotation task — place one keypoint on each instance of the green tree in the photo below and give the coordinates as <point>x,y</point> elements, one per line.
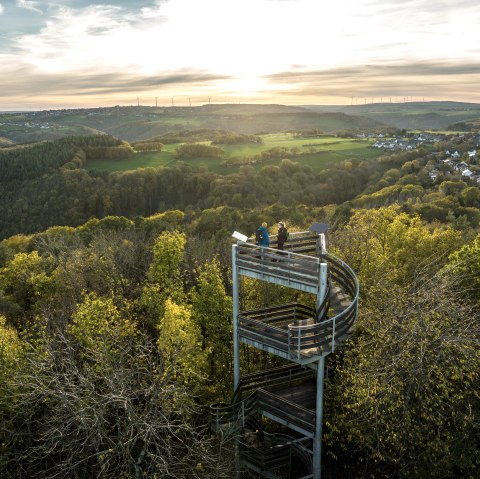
<point>405,395</point>
<point>180,344</point>
<point>164,276</point>
<point>385,243</point>
<point>463,269</point>
<point>212,311</point>
<point>27,281</point>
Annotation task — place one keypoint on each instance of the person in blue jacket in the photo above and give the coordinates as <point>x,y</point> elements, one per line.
<point>262,236</point>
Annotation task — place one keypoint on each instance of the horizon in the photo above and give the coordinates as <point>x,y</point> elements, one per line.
<point>413,102</point>
<point>84,54</point>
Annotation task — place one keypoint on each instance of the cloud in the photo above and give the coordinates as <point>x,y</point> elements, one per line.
<point>28,5</point>
<point>436,80</point>
<point>24,79</point>
<point>424,69</point>
<point>249,45</point>
<point>95,37</point>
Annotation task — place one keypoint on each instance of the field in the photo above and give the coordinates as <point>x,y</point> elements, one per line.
<point>314,152</point>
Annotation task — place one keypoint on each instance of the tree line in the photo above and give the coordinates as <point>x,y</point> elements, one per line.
<point>49,184</point>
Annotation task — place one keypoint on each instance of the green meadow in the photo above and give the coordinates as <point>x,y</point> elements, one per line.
<point>314,152</point>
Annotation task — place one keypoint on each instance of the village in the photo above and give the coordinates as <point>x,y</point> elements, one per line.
<point>460,161</point>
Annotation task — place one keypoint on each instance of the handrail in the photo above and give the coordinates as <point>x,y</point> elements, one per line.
<point>321,338</point>
<point>299,342</point>
<point>275,448</point>
<point>236,413</point>
<point>249,246</point>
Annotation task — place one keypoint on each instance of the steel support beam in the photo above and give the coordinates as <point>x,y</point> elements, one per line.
<point>236,345</point>
<point>236,348</point>
<point>317,441</point>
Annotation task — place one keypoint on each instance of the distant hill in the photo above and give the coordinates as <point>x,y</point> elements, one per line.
<point>468,125</point>
<point>136,123</point>
<point>410,115</point>
<point>141,123</point>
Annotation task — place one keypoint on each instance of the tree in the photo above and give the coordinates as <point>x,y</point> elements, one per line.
<point>164,276</point>
<point>12,355</point>
<point>404,398</point>
<point>26,280</point>
<point>212,312</point>
<point>110,411</point>
<point>180,344</point>
<point>403,395</point>
<point>198,150</point>
<point>463,269</point>
<point>470,196</point>
<point>386,244</point>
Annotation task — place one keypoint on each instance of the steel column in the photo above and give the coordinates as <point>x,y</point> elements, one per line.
<point>236,349</point>
<point>317,442</point>
<point>236,345</point>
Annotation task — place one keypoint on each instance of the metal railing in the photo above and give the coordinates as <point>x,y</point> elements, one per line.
<point>287,265</point>
<point>276,450</point>
<point>252,396</point>
<point>270,325</point>
<point>325,335</point>
<point>277,328</point>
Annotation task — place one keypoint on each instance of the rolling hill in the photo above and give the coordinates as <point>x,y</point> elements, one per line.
<point>409,115</point>
<point>140,123</point>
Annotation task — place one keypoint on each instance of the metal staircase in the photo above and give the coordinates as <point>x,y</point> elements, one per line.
<point>291,395</point>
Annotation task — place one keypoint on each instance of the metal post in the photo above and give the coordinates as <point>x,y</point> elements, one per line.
<point>322,286</point>
<point>323,244</point>
<point>236,346</point>
<point>317,444</point>
<point>236,349</point>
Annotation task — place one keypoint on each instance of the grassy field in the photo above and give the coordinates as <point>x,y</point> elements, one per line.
<point>314,152</point>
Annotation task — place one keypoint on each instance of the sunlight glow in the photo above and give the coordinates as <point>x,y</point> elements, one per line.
<point>251,48</point>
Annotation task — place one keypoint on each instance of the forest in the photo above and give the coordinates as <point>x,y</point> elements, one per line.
<point>116,311</point>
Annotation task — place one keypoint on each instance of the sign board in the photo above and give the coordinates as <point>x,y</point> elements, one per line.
<point>239,236</point>
<point>319,228</point>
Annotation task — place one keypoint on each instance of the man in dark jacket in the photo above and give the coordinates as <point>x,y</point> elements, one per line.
<point>281,235</point>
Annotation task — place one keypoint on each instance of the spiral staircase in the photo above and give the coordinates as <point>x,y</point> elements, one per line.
<point>290,395</point>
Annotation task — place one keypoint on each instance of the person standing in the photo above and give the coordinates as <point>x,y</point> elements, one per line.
<point>282,235</point>
<point>261,236</point>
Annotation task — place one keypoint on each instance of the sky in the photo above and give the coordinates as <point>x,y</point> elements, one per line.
<point>79,53</point>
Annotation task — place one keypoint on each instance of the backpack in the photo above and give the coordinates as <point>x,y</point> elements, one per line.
<point>258,236</point>
<point>287,234</point>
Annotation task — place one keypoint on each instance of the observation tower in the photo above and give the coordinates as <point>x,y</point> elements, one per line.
<point>275,417</point>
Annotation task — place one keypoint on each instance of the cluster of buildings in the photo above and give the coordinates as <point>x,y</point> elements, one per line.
<point>400,143</point>
<point>465,167</point>
<point>459,162</point>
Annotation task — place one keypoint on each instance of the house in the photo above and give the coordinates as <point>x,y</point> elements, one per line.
<point>467,173</point>
<point>456,155</point>
<point>448,162</point>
